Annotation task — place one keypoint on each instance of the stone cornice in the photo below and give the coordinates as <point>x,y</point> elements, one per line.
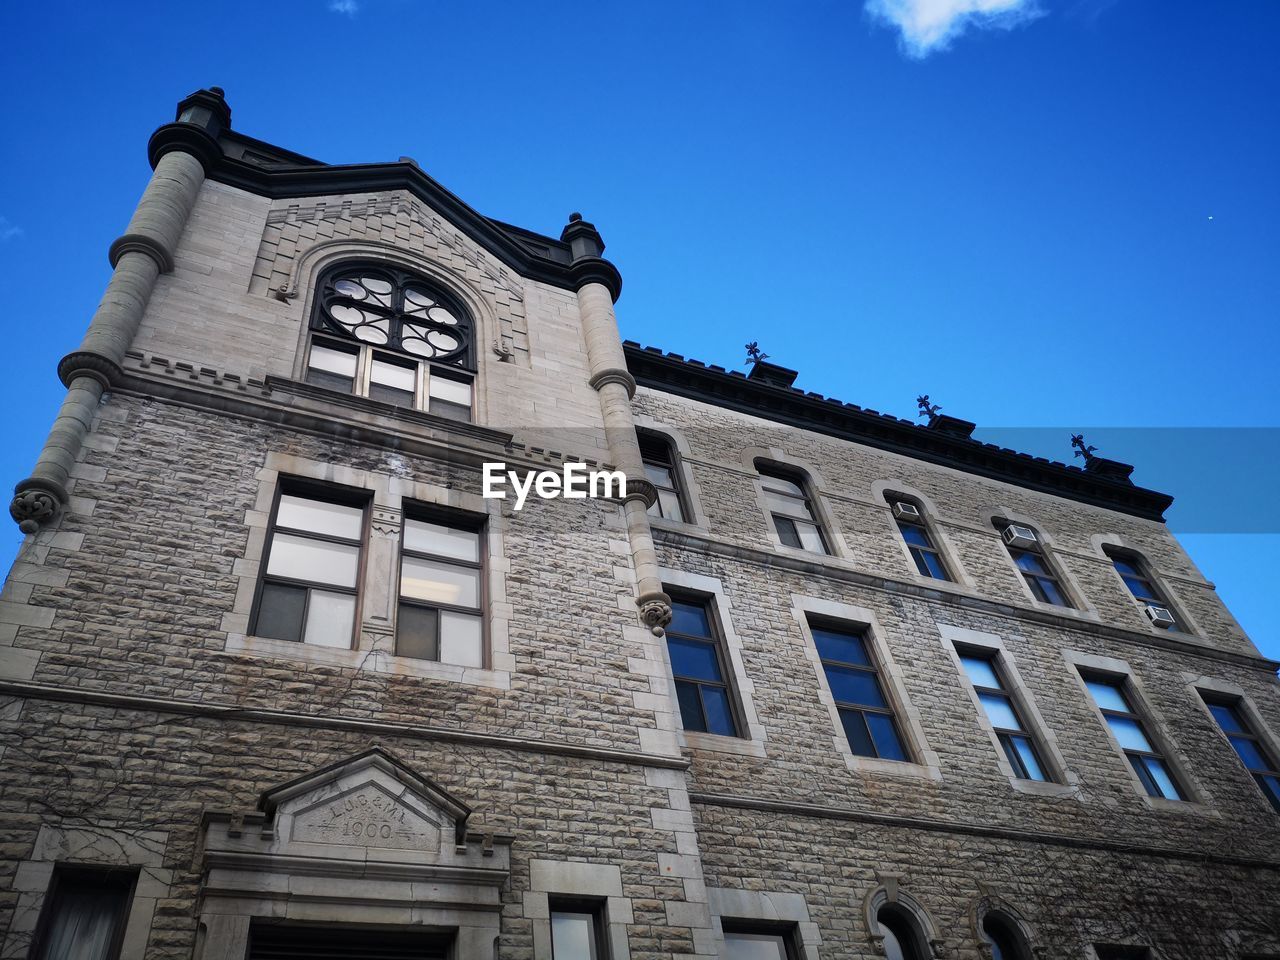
<point>671,373</point>
<point>230,711</point>
<point>793,808</point>
<point>843,573</point>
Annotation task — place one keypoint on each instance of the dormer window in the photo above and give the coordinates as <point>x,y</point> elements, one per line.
<point>389,335</point>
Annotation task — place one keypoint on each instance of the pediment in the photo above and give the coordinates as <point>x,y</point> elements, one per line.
<point>372,799</point>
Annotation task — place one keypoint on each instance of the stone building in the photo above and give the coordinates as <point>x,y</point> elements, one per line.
<point>280,681</point>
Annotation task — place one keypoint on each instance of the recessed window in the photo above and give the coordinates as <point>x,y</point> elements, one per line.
<point>577,931</point>
<point>852,675</point>
<point>660,468</point>
<point>84,914</point>
<point>793,517</point>
<point>391,336</point>
<point>308,590</point>
<point>699,669</point>
<point>1130,731</point>
<point>1132,571</point>
<point>441,573</point>
<point>986,675</point>
<point>1028,556</point>
<point>915,533</point>
<point>1253,753</point>
<point>745,941</point>
<point>1004,938</point>
<point>902,937</point>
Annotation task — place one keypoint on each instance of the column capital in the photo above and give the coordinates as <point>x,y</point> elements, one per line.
<point>86,363</point>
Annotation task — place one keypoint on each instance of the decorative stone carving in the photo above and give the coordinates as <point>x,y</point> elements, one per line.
<point>32,508</point>
<point>655,612</point>
<point>386,521</point>
<point>370,815</point>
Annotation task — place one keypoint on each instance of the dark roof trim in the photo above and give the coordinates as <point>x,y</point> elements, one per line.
<point>672,373</point>
<point>270,171</point>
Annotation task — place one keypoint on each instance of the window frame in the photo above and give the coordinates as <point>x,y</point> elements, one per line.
<point>923,525</point>
<point>767,470</point>
<point>595,907</point>
<point>728,678</point>
<point>328,493</point>
<point>787,932</point>
<point>1245,719</point>
<point>459,520</point>
<point>878,670</point>
<point>1052,572</point>
<point>652,442</point>
<point>324,331</point>
<point>62,871</point>
<point>996,659</point>
<point>1159,596</point>
<point>1123,684</point>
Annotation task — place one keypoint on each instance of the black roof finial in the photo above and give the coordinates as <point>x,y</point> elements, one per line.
<point>1077,441</point>
<point>754,353</point>
<point>927,409</point>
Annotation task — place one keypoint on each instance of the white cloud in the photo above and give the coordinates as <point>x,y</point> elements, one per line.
<point>9,231</point>
<point>347,7</point>
<point>929,25</point>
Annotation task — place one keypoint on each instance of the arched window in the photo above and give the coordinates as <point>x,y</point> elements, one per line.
<point>387,334</point>
<point>914,528</point>
<point>1026,549</point>
<point>1004,937</point>
<point>1134,570</point>
<point>903,939</point>
<point>787,496</point>
<point>658,454</point>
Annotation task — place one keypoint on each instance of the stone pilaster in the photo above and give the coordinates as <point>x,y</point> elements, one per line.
<point>180,153</point>
<point>598,287</point>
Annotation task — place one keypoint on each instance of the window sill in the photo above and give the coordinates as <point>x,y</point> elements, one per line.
<point>371,660</point>
<point>1044,788</point>
<point>893,768</point>
<point>714,743</point>
<point>1180,806</point>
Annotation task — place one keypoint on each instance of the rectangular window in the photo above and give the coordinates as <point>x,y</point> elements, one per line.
<point>923,552</point>
<point>441,590</point>
<point>84,914</point>
<point>748,941</point>
<point>308,591</point>
<point>793,516</point>
<point>1130,732</point>
<point>390,378</point>
<point>449,396</point>
<point>1253,753</point>
<point>699,669</point>
<point>577,930</point>
<point>659,467</point>
<point>1035,570</point>
<point>1143,589</point>
<point>851,673</point>
<point>1002,711</point>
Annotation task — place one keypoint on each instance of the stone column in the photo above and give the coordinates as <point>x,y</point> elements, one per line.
<point>599,284</point>
<point>180,153</point>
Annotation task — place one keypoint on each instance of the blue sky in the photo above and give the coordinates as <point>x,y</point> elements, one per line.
<point>1052,217</point>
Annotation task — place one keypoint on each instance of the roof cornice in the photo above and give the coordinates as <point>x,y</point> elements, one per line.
<point>674,374</point>
<point>286,175</point>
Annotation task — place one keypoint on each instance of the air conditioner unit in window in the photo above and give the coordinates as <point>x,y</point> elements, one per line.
<point>1023,538</point>
<point>906,511</point>
<point>1160,616</point>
